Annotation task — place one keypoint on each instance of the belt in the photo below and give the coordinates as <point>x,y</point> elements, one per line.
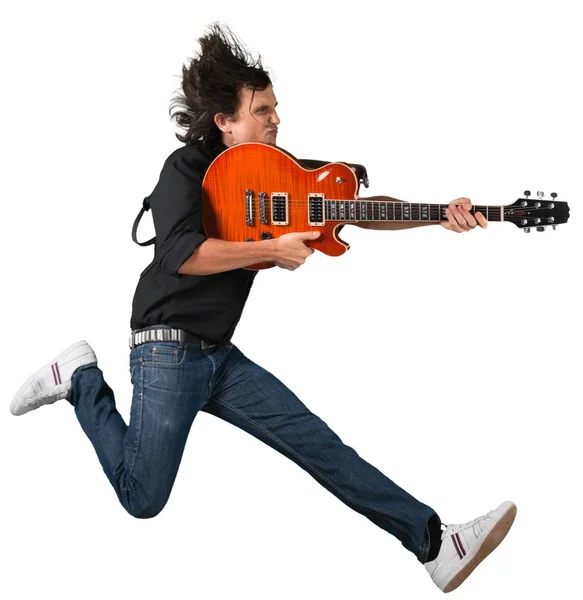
<point>165,333</point>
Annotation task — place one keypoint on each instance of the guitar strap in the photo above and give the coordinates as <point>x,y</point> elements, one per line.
<point>359,171</point>
<point>145,207</point>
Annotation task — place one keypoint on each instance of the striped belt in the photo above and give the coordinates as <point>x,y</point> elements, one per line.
<point>164,333</point>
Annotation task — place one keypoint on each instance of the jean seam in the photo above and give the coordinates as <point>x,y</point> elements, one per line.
<point>308,466</point>
<point>139,413</point>
<point>98,432</point>
<point>210,380</point>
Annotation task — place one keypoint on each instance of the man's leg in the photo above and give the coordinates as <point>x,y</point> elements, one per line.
<point>141,460</point>
<point>248,396</point>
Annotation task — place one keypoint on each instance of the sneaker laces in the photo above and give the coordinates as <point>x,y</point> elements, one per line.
<point>455,528</point>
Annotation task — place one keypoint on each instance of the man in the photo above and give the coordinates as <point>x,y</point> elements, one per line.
<point>187,304</point>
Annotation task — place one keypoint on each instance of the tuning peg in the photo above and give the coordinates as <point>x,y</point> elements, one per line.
<point>553,194</point>
<point>554,227</point>
<point>527,193</point>
<point>540,194</point>
<point>526,230</point>
<point>542,228</point>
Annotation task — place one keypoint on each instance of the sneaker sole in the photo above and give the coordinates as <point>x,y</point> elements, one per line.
<point>491,542</point>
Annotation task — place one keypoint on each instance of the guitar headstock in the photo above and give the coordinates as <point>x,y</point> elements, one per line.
<point>540,213</point>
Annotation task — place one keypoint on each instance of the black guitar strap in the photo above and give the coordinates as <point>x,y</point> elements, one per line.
<point>145,207</point>
<point>359,171</point>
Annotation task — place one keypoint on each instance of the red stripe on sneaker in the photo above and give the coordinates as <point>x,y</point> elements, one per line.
<point>456,547</point>
<point>459,541</point>
<point>58,372</point>
<point>54,374</point>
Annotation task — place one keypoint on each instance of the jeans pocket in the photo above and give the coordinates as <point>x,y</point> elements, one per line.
<point>170,354</point>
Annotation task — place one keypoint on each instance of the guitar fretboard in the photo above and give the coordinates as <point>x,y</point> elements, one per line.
<point>379,210</point>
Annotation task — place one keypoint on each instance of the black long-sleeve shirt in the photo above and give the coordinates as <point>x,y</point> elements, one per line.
<point>209,306</point>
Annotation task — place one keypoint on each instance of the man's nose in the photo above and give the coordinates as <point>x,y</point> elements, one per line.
<point>275,118</point>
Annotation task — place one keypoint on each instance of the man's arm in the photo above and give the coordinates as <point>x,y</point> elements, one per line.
<point>216,256</point>
<point>288,251</point>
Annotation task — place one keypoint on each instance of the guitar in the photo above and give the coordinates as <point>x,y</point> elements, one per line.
<point>254,191</point>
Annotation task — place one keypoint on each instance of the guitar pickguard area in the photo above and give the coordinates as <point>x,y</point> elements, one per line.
<point>279,209</point>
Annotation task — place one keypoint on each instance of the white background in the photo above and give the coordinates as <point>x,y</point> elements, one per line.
<point>451,362</point>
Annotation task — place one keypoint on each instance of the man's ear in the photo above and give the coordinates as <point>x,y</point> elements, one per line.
<point>222,122</point>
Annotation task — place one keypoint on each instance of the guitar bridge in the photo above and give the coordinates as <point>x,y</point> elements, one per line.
<point>249,208</point>
<point>262,215</point>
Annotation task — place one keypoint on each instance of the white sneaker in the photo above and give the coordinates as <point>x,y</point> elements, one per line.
<point>464,547</point>
<point>53,381</point>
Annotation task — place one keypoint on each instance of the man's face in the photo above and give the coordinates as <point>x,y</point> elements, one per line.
<point>256,119</point>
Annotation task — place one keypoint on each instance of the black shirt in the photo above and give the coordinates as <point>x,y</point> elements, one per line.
<point>209,306</point>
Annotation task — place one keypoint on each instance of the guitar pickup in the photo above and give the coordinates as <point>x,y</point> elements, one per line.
<point>315,209</point>
<point>279,208</point>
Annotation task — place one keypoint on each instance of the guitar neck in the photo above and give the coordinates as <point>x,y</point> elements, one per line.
<point>381,208</point>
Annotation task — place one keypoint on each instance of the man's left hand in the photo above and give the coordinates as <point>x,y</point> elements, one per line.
<point>460,218</point>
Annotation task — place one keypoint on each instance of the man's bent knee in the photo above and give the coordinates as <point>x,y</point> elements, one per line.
<point>145,510</point>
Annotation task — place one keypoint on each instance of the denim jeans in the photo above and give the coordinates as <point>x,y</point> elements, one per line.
<point>172,381</point>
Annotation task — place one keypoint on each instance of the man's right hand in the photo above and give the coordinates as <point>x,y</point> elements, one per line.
<point>290,250</point>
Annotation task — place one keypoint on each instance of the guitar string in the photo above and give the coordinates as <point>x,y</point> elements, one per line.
<point>508,207</point>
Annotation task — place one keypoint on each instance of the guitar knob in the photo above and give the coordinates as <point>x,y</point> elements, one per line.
<point>249,240</point>
<point>527,193</point>
<point>265,235</point>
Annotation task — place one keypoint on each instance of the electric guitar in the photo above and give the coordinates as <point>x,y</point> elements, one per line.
<point>254,191</point>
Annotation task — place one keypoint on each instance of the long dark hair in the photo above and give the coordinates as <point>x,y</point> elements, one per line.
<point>211,83</point>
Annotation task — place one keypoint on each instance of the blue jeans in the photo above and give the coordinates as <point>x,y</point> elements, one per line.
<point>174,380</point>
